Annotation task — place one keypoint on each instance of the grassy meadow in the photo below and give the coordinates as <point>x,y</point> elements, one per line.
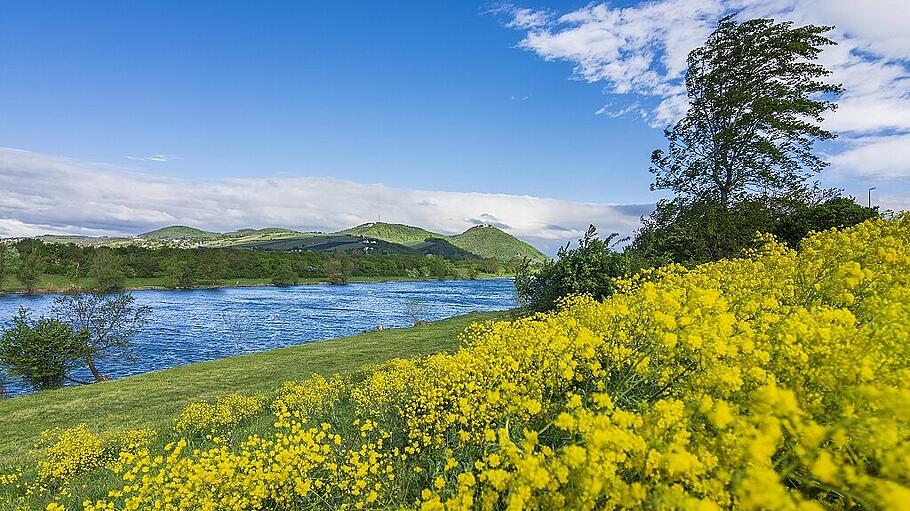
<point>152,400</point>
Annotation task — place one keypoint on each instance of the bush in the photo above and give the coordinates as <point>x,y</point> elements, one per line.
<point>590,269</point>
<point>42,352</point>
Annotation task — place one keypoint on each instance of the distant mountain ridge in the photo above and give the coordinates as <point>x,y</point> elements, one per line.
<point>485,241</point>
<point>482,241</point>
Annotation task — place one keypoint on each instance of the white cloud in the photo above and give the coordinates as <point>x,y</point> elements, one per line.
<point>641,50</point>
<point>41,193</point>
<point>161,158</point>
<point>885,157</point>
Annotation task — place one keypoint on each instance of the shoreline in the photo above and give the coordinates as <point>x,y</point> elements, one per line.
<point>253,284</point>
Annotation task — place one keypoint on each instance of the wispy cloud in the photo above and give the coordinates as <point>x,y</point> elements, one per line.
<point>42,193</point>
<point>642,50</point>
<point>155,157</point>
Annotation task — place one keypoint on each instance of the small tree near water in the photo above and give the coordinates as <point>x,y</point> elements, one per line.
<point>42,352</point>
<point>417,311</point>
<point>109,321</point>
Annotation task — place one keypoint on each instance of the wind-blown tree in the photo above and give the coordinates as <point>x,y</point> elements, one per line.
<point>756,101</point>
<point>41,352</point>
<point>110,322</point>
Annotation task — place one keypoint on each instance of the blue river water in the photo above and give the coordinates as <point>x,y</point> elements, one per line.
<point>205,324</point>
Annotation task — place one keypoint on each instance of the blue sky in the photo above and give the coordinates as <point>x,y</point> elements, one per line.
<point>411,94</point>
<point>538,117</point>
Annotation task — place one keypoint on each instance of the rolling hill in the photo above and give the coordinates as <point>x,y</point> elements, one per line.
<point>393,233</point>
<point>491,242</point>
<point>482,241</point>
<point>178,232</point>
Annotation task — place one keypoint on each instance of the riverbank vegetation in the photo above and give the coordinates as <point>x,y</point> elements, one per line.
<point>33,266</point>
<point>769,382</point>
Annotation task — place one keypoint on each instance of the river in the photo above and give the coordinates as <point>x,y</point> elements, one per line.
<point>206,324</point>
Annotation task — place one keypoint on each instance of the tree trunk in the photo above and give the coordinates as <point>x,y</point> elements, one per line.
<point>95,372</point>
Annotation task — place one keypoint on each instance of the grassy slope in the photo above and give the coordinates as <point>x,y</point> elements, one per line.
<point>178,231</point>
<point>487,241</point>
<point>154,399</point>
<point>394,233</point>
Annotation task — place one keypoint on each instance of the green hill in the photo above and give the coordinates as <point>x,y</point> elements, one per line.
<point>482,240</point>
<point>489,241</point>
<point>393,233</point>
<point>264,231</point>
<point>175,232</point>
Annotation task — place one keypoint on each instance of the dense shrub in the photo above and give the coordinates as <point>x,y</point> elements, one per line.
<point>42,352</point>
<point>590,269</point>
<point>692,232</point>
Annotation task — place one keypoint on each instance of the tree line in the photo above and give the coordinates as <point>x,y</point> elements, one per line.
<point>110,267</point>
<point>740,162</point>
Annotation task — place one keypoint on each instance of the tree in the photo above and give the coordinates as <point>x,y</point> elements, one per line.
<point>31,266</point>
<point>285,275</point>
<point>42,352</point>
<point>9,262</point>
<point>179,273</point>
<point>110,322</point>
<point>416,310</point>
<point>590,269</point>
<point>756,98</point>
<point>339,268</point>
<point>107,271</point>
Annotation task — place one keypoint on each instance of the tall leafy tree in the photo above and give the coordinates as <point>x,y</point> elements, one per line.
<point>756,100</point>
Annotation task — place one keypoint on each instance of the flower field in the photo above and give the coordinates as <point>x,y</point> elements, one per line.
<point>777,381</point>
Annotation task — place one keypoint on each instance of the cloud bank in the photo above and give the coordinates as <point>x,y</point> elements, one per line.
<point>640,53</point>
<point>49,194</point>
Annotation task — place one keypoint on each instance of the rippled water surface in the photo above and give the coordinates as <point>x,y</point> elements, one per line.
<point>197,325</point>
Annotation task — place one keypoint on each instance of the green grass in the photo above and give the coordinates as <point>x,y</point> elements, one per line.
<point>489,241</point>
<point>155,399</point>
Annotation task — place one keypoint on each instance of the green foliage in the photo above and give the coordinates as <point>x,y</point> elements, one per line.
<point>839,212</point>
<point>180,274</point>
<point>9,262</point>
<point>339,269</point>
<point>756,101</point>
<point>590,269</point>
<point>32,264</point>
<point>285,275</point>
<point>107,271</point>
<point>693,232</point>
<point>42,352</point>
